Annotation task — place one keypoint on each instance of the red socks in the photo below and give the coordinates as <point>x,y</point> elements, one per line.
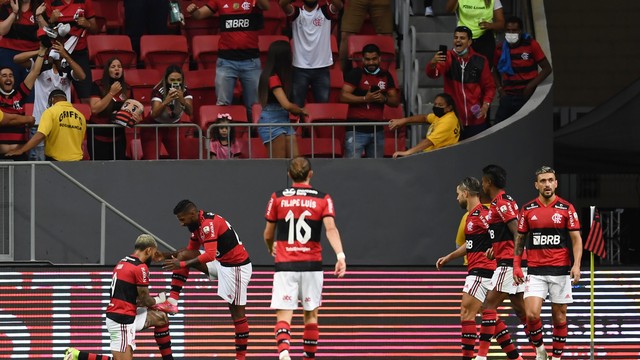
<point>504,339</point>
<point>469,335</point>
<point>83,355</point>
<point>163,339</point>
<point>559,339</point>
<point>283,335</point>
<point>535,331</point>
<point>242,337</point>
<point>178,278</point>
<point>487,329</point>
<point>310,341</point>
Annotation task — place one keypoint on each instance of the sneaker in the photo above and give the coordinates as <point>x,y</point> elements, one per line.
<point>166,307</point>
<point>541,353</point>
<point>410,11</point>
<point>71,354</point>
<point>428,11</point>
<point>284,355</point>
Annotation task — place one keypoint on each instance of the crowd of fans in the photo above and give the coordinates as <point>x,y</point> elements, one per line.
<point>44,47</point>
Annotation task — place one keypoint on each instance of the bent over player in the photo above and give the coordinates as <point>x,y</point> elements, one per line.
<point>224,258</point>
<point>293,231</point>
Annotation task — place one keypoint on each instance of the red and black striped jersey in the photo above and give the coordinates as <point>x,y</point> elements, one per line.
<point>127,276</point>
<point>503,210</point>
<point>525,58</point>
<point>219,240</point>
<point>240,23</point>
<point>548,228</point>
<point>70,12</point>
<point>476,232</point>
<point>13,103</point>
<point>22,33</point>
<point>298,213</point>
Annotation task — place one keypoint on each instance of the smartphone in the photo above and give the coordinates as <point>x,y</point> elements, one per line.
<point>443,49</point>
<point>176,85</point>
<point>375,88</point>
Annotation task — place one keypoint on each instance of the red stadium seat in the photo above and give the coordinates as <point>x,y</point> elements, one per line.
<point>96,74</point>
<point>160,51</point>
<point>256,109</point>
<point>85,109</point>
<point>209,114</point>
<point>264,41</point>
<point>28,109</point>
<point>274,20</point>
<point>104,47</point>
<point>109,16</point>
<point>205,50</point>
<point>391,144</point>
<point>327,112</point>
<point>320,147</point>
<point>334,51</point>
<point>201,84</point>
<point>384,42</point>
<point>337,81</point>
<point>142,81</point>
<point>255,150</point>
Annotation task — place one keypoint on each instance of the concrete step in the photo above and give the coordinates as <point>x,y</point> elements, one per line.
<point>428,94</point>
<point>431,41</point>
<point>446,23</point>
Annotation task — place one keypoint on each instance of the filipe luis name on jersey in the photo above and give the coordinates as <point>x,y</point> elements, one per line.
<point>308,203</point>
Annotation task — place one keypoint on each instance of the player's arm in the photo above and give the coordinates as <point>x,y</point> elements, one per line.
<point>518,275</point>
<point>144,299</point>
<point>333,236</point>
<point>269,234</point>
<point>459,252</point>
<point>513,228</point>
<point>199,12</point>
<point>576,241</point>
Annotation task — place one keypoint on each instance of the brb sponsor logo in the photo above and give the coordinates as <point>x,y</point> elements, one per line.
<point>237,23</point>
<point>543,240</point>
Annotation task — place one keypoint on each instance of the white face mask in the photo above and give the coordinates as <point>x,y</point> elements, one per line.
<point>512,38</point>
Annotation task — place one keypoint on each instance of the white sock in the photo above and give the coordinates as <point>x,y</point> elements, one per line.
<point>172,301</point>
<point>481,358</point>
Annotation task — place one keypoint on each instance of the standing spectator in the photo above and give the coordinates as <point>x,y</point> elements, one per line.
<point>55,74</point>
<point>467,79</point>
<point>224,258</point>
<point>483,17</point>
<point>127,312</point>
<point>224,144</point>
<point>298,255</point>
<point>12,100</point>
<point>311,26</point>
<point>274,92</point>
<point>552,222</point>
<point>170,98</point>
<point>62,126</point>
<point>145,17</point>
<point>238,52</point>
<point>443,131</point>
<point>18,29</point>
<point>516,69</point>
<point>478,282</point>
<point>108,95</point>
<point>355,12</point>
<point>367,90</point>
<point>80,16</point>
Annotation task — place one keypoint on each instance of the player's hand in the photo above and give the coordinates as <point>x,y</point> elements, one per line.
<point>160,298</point>
<point>273,251</point>
<point>341,268</point>
<point>191,8</point>
<point>489,254</point>
<point>171,264</point>
<point>441,262</point>
<point>575,275</point>
<point>518,275</point>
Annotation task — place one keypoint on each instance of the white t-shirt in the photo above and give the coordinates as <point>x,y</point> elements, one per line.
<point>312,37</point>
<point>45,83</point>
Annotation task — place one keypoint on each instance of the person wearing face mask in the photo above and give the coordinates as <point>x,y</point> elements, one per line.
<point>443,131</point>
<point>468,79</point>
<point>108,95</point>
<point>367,90</point>
<point>311,44</point>
<point>516,69</point>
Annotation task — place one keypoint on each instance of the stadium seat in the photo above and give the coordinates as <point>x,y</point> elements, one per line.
<point>337,81</point>
<point>274,20</point>
<point>201,84</point>
<point>325,113</point>
<point>28,108</point>
<point>104,47</point>
<point>96,74</point>
<point>264,41</point>
<point>160,51</point>
<point>205,51</point>
<point>193,27</point>
<point>209,114</point>
<point>142,81</point>
<point>319,147</point>
<point>384,42</point>
<point>256,109</point>
<point>392,145</point>
<point>334,51</point>
<point>85,109</point>
<point>110,18</point>
<point>255,150</point>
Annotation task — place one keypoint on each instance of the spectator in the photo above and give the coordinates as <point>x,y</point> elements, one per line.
<point>55,74</point>
<point>274,92</point>
<point>107,96</point>
<point>145,17</point>
<point>516,72</point>
<point>311,26</point>
<point>483,17</point>
<point>355,12</point>
<point>467,79</point>
<point>238,52</point>
<point>81,19</point>
<point>224,144</point>
<point>62,126</point>
<point>18,30</point>
<point>12,100</point>
<point>367,90</point>
<point>170,98</point>
<point>443,131</point>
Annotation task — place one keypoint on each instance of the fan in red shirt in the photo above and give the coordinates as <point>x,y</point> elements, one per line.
<point>295,217</point>
<point>547,224</point>
<point>127,311</point>
<point>224,258</point>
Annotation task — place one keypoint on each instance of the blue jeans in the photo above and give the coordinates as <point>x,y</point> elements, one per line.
<point>273,114</point>
<point>320,82</point>
<point>371,143</point>
<point>37,153</point>
<point>227,74</point>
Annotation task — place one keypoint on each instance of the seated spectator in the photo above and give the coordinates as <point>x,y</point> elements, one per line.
<point>355,11</point>
<point>311,41</point>
<point>484,18</point>
<point>62,126</point>
<point>443,131</point>
<point>170,98</point>
<point>516,69</point>
<point>367,90</point>
<point>223,144</point>
<point>467,79</point>
<point>274,92</point>
<point>107,96</point>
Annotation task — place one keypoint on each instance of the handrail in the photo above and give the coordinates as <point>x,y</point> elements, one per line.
<point>97,197</point>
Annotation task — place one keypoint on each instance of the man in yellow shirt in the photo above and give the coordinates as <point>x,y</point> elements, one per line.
<point>62,126</point>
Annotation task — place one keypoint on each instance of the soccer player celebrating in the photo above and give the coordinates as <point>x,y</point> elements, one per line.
<point>552,222</point>
<point>298,214</point>
<point>224,258</point>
